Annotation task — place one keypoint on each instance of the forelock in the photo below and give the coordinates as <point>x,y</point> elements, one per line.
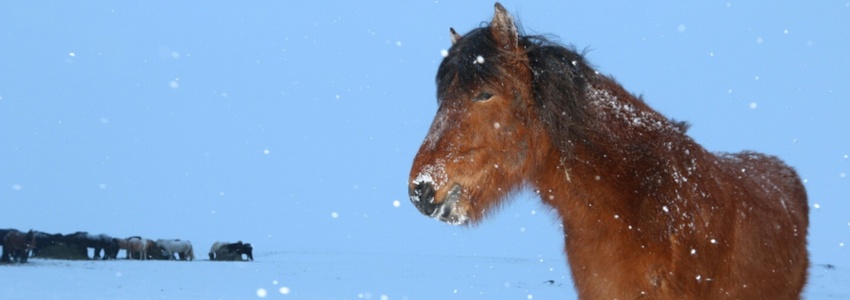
<point>470,62</point>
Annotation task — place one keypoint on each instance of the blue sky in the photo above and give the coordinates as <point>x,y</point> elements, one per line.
<point>294,125</point>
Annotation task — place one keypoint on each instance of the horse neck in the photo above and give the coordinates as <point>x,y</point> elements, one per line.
<point>609,164</point>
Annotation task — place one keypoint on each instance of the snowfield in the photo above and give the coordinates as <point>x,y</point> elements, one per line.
<point>314,275</point>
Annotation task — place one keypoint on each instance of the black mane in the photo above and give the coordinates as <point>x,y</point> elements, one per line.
<point>559,84</point>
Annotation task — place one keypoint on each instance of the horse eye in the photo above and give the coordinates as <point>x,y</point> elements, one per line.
<point>482,97</point>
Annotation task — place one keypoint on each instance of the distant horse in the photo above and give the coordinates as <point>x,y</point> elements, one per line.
<point>180,247</point>
<point>3,233</point>
<point>96,241</point>
<point>16,246</point>
<point>45,240</point>
<point>109,246</point>
<point>123,244</point>
<point>231,251</point>
<point>647,212</point>
<point>138,245</point>
<point>215,248</point>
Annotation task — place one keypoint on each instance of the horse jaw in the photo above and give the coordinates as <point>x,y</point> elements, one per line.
<point>451,211</point>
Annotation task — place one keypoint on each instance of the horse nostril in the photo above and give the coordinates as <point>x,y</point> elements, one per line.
<point>422,196</point>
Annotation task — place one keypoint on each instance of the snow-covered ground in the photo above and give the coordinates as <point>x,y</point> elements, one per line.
<point>315,275</point>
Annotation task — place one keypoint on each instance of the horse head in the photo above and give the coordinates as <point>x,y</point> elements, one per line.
<point>485,132</point>
<point>30,240</point>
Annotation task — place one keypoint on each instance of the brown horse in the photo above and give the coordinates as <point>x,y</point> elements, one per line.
<point>647,212</point>
<point>17,246</point>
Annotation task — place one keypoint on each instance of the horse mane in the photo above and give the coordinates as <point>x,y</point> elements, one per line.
<point>560,78</point>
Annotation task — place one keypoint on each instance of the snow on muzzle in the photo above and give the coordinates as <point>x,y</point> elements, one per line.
<point>422,195</point>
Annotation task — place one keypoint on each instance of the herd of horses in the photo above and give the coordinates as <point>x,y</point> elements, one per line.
<point>18,246</point>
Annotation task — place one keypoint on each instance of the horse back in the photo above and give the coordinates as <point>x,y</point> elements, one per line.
<point>770,223</point>
<point>216,246</point>
<point>767,188</point>
<point>12,239</point>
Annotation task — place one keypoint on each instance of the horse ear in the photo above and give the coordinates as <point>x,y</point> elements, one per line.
<point>455,37</point>
<point>503,28</point>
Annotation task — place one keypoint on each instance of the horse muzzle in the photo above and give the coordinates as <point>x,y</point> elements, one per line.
<point>422,194</point>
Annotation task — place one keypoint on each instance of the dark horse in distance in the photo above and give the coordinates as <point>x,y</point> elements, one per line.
<point>17,246</point>
<point>647,212</point>
<point>231,251</point>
